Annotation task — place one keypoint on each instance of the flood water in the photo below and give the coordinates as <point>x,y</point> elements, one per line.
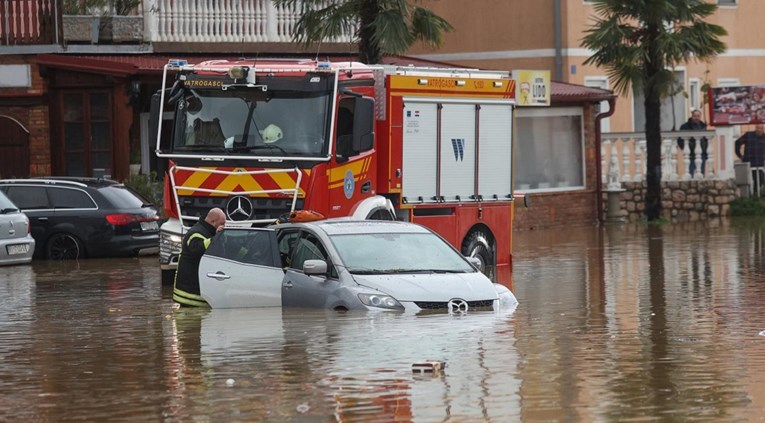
<point>622,323</point>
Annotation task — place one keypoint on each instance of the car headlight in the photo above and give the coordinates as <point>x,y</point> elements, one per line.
<point>505,301</point>
<point>380,301</point>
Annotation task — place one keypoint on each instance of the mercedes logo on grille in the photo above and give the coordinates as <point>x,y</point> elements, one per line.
<point>239,208</point>
<point>458,306</point>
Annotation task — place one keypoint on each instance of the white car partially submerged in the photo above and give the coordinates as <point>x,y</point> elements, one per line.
<point>16,243</point>
<point>345,265</point>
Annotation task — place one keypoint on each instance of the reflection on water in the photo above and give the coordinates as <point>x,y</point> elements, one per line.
<point>617,323</point>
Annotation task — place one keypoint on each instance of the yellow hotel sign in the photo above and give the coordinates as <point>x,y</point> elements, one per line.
<point>532,87</point>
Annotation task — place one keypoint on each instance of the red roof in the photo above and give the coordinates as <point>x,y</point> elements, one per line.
<point>149,64</point>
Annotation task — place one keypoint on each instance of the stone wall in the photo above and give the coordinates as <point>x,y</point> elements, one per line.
<point>682,201</point>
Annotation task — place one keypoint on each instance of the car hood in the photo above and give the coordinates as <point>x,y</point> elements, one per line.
<point>431,287</point>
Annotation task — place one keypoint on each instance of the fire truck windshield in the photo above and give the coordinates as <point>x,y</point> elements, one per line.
<point>252,122</point>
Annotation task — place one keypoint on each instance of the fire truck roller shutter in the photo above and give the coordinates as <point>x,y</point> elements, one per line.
<point>458,151</point>
<point>495,151</point>
<point>420,134</point>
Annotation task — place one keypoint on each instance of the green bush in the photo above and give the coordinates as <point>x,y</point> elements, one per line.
<point>747,207</point>
<point>148,186</point>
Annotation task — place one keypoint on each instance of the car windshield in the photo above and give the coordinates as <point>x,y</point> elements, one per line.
<point>252,122</point>
<point>6,205</point>
<point>387,253</point>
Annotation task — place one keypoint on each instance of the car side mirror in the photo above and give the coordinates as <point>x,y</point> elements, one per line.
<point>315,267</point>
<point>475,261</point>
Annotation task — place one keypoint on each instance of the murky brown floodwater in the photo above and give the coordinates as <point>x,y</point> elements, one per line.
<point>615,324</point>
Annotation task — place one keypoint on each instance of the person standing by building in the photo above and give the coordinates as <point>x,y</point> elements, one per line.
<point>695,123</point>
<point>195,243</point>
<point>754,153</point>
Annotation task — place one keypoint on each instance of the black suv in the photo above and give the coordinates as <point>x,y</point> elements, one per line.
<point>85,217</point>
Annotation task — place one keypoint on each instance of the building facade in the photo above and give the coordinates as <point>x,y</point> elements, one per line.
<point>547,34</point>
<point>75,94</point>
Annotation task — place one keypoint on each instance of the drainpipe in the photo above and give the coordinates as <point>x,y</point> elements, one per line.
<point>599,157</point>
<point>558,74</point>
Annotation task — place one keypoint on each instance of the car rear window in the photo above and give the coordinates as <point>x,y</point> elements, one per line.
<point>5,203</point>
<point>122,197</point>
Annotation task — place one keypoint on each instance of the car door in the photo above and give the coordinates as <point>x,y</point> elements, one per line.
<point>299,289</point>
<point>241,268</point>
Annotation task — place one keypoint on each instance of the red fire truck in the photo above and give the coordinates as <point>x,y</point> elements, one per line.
<point>260,138</point>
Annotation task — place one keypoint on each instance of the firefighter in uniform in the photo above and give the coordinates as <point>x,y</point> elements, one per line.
<point>195,242</point>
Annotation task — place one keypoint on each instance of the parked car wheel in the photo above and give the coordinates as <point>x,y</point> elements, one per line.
<point>64,246</point>
<point>477,245</point>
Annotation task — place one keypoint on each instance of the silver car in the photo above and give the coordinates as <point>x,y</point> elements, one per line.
<point>16,242</point>
<point>345,265</point>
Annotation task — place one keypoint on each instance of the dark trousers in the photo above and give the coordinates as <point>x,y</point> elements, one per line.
<point>703,143</point>
<point>758,178</point>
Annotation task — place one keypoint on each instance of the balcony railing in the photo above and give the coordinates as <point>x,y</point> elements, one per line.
<point>30,22</point>
<point>36,22</point>
<point>218,21</point>
<point>624,157</point>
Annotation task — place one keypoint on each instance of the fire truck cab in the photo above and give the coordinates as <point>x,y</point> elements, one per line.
<point>261,138</point>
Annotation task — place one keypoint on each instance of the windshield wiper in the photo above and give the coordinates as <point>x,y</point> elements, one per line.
<point>441,271</point>
<point>377,271</point>
<point>201,147</point>
<point>261,147</point>
<point>400,271</point>
<point>8,210</point>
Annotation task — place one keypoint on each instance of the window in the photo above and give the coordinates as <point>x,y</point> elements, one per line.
<point>726,2</point>
<point>121,196</point>
<point>694,93</point>
<point>380,253</point>
<point>550,148</point>
<point>344,128</point>
<point>673,107</point>
<point>245,246</point>
<point>87,133</point>
<point>287,242</point>
<point>28,198</point>
<point>67,198</point>
<point>307,248</point>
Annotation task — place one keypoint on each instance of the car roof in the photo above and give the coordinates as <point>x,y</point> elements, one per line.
<point>62,181</point>
<point>345,226</point>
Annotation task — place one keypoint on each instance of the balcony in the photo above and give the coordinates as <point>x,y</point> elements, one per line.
<point>30,22</point>
<point>37,26</point>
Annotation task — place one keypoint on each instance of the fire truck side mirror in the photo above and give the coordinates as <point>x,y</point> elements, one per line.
<point>363,124</point>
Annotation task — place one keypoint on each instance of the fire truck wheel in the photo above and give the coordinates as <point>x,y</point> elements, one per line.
<point>168,276</point>
<point>477,245</point>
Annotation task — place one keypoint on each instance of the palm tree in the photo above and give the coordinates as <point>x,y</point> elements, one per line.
<point>381,26</point>
<point>639,42</point>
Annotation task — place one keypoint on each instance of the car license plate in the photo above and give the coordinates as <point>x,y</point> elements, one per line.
<point>149,226</point>
<point>17,249</point>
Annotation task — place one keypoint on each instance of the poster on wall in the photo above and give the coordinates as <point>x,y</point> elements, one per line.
<point>532,87</point>
<point>737,105</point>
